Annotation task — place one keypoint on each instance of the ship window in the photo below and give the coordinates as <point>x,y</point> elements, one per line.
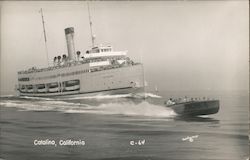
<point>29,86</point>
<point>53,85</point>
<point>23,79</point>
<point>72,83</point>
<point>40,86</point>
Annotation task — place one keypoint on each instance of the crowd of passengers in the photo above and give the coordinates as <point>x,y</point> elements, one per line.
<point>66,63</point>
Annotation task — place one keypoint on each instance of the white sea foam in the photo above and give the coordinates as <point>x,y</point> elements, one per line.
<point>32,106</point>
<point>190,138</point>
<point>7,96</point>
<point>57,102</point>
<point>204,116</point>
<point>131,109</point>
<point>16,104</point>
<point>37,98</point>
<point>152,95</point>
<point>101,96</point>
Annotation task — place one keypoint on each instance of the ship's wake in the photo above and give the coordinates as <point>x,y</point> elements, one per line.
<point>102,96</point>
<point>121,106</point>
<point>79,97</point>
<point>129,109</point>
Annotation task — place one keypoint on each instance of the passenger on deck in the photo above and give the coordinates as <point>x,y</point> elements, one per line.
<point>170,102</point>
<point>185,99</point>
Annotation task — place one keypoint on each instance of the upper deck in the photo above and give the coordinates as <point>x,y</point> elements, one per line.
<point>96,57</point>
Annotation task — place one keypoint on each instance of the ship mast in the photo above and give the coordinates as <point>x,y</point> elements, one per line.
<point>44,34</point>
<point>143,79</point>
<point>91,32</point>
<point>144,83</point>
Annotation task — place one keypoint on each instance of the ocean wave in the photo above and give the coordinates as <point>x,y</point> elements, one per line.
<point>101,96</point>
<point>35,98</point>
<point>58,102</point>
<point>16,104</point>
<point>128,108</point>
<point>152,95</point>
<point>42,105</point>
<point>7,96</point>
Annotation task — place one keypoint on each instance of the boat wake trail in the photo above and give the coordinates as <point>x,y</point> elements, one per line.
<point>127,108</point>
<point>35,98</point>
<point>7,96</point>
<point>101,96</point>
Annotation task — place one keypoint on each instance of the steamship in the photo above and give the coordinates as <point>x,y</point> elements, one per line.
<point>100,70</point>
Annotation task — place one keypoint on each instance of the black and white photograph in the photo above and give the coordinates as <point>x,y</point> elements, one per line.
<point>124,80</point>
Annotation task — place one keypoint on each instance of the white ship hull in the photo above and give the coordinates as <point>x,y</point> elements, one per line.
<point>73,94</point>
<point>121,80</point>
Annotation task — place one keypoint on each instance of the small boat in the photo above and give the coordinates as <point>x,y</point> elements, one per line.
<point>195,108</point>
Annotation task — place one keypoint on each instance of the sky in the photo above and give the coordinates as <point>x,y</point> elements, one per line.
<point>184,45</point>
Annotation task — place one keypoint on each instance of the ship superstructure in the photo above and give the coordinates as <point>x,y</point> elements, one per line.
<point>99,70</point>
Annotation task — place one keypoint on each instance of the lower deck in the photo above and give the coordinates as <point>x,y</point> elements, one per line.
<point>118,80</point>
<point>71,94</point>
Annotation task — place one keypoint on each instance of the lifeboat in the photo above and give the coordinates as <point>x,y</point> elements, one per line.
<point>22,88</point>
<point>72,85</point>
<point>41,88</point>
<point>53,87</point>
<point>30,88</point>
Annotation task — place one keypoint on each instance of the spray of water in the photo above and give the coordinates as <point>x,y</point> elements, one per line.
<point>128,108</point>
<point>101,96</point>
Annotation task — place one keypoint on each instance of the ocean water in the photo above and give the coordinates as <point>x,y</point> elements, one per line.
<point>123,127</point>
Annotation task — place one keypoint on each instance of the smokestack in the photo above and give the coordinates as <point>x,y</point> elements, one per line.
<point>69,34</point>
